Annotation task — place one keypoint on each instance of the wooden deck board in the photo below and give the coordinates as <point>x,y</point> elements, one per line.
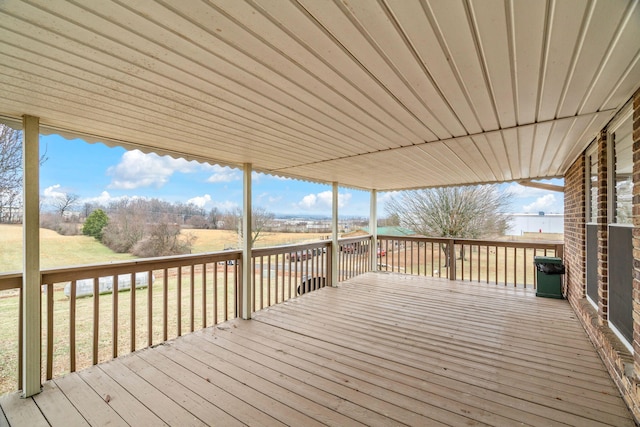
<point>22,412</point>
<point>326,372</point>
<point>87,402</point>
<point>382,349</point>
<point>549,397</point>
<point>119,398</point>
<point>391,372</point>
<point>200,406</point>
<point>162,406</point>
<point>370,331</point>
<point>207,387</point>
<point>3,418</point>
<point>56,408</point>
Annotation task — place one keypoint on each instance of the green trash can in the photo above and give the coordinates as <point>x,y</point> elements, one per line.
<point>549,271</point>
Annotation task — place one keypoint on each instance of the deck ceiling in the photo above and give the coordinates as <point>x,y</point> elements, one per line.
<point>386,94</point>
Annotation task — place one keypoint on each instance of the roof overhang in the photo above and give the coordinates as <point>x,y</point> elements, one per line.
<point>388,94</point>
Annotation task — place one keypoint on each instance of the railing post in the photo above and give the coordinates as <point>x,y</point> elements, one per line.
<point>31,286</point>
<point>373,230</point>
<point>247,233</point>
<point>334,236</point>
<point>451,254</point>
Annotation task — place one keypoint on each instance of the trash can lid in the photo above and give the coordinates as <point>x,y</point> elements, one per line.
<point>547,260</point>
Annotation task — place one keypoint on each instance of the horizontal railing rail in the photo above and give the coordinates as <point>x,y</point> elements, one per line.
<point>491,261</point>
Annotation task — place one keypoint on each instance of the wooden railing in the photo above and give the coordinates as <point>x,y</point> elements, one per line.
<point>87,320</point>
<point>283,272</point>
<point>489,261</point>
<point>170,296</point>
<point>354,257</point>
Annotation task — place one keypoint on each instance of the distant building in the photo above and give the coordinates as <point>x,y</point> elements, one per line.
<point>535,223</point>
<point>10,214</point>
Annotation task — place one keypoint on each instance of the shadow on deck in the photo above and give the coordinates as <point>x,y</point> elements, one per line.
<point>382,349</point>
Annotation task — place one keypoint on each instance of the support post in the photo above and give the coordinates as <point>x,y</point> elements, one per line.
<point>373,229</point>
<point>334,236</point>
<point>31,286</point>
<point>247,234</point>
<point>451,254</point>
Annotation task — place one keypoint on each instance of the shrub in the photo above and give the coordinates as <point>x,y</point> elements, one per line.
<point>198,221</point>
<point>95,223</point>
<point>58,224</point>
<point>163,239</point>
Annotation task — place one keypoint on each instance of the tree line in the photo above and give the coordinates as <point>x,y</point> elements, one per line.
<point>148,227</point>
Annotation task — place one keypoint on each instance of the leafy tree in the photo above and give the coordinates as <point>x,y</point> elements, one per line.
<point>95,224</point>
<point>462,212</point>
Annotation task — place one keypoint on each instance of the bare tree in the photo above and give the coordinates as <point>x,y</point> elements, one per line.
<point>65,202</point>
<point>126,227</point>
<point>260,220</point>
<point>463,212</point>
<point>214,217</point>
<point>163,239</point>
<point>11,173</point>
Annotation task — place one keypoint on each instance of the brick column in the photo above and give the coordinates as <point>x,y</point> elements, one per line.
<point>603,232</point>
<point>574,230</point>
<point>636,235</point>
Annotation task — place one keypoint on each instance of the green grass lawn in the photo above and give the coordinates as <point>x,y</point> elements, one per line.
<point>55,250</point>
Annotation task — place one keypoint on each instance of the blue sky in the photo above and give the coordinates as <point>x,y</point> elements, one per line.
<point>98,173</point>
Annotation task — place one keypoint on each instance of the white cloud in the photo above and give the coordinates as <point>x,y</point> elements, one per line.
<point>137,169</point>
<point>322,201</point>
<point>52,192</point>
<point>224,174</point>
<point>226,206</point>
<point>308,202</point>
<point>542,203</point>
<point>103,199</point>
<point>267,199</point>
<point>518,190</point>
<point>200,201</point>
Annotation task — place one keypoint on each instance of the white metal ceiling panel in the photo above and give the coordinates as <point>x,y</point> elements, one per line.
<point>528,22</point>
<point>562,38</point>
<point>495,41</point>
<point>458,35</point>
<point>601,24</point>
<point>384,94</point>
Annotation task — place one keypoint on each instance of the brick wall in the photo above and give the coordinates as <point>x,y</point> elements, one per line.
<point>623,367</point>
<point>636,237</point>
<point>574,230</point>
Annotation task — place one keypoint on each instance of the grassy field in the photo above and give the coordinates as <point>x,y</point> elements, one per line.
<point>55,250</point>
<point>58,251</point>
<point>61,251</point>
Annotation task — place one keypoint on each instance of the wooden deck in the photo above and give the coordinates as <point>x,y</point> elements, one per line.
<point>382,349</point>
